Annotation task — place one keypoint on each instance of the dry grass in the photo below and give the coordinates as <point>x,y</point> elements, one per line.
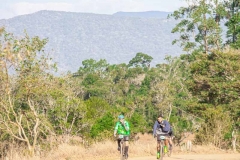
<point>145,146</point>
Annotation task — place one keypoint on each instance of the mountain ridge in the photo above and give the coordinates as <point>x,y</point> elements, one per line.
<point>74,37</point>
<point>145,14</point>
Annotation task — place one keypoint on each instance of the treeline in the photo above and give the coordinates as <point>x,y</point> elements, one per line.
<point>197,92</point>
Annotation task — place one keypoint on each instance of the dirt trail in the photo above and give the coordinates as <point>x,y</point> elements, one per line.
<point>193,157</point>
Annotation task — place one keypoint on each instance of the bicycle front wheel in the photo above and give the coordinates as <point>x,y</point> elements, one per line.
<point>122,155</point>
<point>161,149</point>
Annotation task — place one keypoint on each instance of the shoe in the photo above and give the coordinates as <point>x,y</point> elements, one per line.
<point>170,147</point>
<point>119,149</point>
<point>158,155</point>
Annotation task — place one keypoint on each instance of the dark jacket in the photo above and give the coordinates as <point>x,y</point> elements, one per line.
<point>158,126</point>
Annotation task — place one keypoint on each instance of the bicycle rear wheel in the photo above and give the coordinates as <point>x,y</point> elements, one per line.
<point>169,153</point>
<point>170,149</point>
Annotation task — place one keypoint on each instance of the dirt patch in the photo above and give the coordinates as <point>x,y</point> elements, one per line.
<point>145,146</point>
<point>193,157</point>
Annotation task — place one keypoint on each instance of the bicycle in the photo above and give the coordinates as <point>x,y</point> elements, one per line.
<point>123,138</point>
<point>164,147</point>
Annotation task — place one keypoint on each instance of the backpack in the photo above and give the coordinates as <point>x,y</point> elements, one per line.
<point>167,127</point>
<point>171,133</point>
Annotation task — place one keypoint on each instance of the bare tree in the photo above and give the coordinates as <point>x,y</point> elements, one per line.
<point>24,86</point>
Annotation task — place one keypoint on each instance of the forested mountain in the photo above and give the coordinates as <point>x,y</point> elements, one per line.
<point>74,37</point>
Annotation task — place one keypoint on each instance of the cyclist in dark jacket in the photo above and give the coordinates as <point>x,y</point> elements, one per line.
<point>162,127</point>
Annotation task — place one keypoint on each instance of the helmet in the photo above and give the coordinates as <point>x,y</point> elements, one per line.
<point>121,116</point>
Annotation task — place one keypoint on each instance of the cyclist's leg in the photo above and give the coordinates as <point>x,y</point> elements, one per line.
<point>118,142</point>
<point>170,142</point>
<point>166,142</point>
<point>158,145</point>
<point>126,139</point>
<point>158,148</point>
<point>166,145</point>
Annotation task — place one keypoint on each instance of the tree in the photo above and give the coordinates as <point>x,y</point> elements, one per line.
<point>93,66</point>
<point>215,82</point>
<point>199,26</point>
<point>140,60</point>
<point>67,110</point>
<point>233,23</point>
<point>24,88</point>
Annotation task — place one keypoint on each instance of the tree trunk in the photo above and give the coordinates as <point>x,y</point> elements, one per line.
<point>234,140</point>
<point>170,111</point>
<point>205,35</point>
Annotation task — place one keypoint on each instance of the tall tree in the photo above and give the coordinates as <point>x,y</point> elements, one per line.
<point>199,26</point>
<point>141,60</point>
<point>215,83</point>
<point>233,23</point>
<point>24,88</point>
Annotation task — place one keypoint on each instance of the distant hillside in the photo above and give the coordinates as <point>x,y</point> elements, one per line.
<point>147,14</point>
<point>74,37</point>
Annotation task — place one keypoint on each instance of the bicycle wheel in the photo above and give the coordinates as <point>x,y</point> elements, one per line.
<point>169,153</point>
<point>122,156</point>
<point>161,149</point>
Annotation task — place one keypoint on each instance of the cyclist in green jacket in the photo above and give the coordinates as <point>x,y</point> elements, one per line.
<point>122,128</point>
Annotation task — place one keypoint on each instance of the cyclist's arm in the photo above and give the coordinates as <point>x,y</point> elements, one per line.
<point>116,128</point>
<point>126,126</point>
<point>155,128</point>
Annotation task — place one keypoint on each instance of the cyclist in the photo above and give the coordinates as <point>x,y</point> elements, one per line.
<point>122,128</point>
<point>162,126</point>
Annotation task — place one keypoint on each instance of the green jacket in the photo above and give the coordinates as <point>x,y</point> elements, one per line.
<point>121,130</point>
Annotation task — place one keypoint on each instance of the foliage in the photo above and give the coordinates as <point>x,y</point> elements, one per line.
<point>140,60</point>
<point>137,123</point>
<point>67,111</point>
<point>25,86</point>
<point>104,125</point>
<point>196,92</point>
<point>199,26</point>
<point>215,83</point>
<point>233,23</point>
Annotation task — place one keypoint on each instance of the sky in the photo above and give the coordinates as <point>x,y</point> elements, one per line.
<point>12,8</point>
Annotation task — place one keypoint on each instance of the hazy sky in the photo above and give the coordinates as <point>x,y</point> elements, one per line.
<point>11,8</point>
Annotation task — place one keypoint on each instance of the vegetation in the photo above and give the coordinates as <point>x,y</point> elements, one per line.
<point>197,92</point>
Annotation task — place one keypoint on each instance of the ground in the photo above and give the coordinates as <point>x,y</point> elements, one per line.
<point>193,157</point>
